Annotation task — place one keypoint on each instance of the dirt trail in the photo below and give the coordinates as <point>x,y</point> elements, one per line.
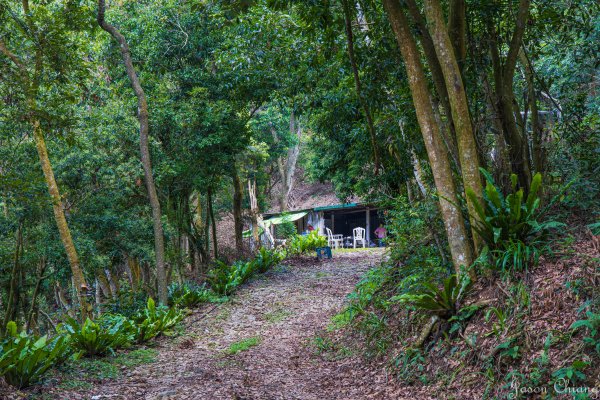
<point>284,309</point>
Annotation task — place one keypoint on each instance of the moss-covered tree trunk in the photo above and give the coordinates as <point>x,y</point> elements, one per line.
<point>465,138</point>
<point>81,286</point>
<point>438,157</point>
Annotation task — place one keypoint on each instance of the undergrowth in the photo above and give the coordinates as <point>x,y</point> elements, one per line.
<point>434,328</point>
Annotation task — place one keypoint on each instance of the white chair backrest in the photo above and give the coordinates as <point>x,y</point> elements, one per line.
<point>329,233</point>
<point>359,233</point>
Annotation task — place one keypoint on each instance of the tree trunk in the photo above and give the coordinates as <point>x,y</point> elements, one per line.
<point>34,296</point>
<point>503,82</point>
<point>467,146</point>
<point>536,129</point>
<point>438,157</point>
<point>12,302</point>
<point>61,222</point>
<point>159,246</point>
<point>211,212</point>
<point>254,214</point>
<point>457,30</point>
<point>287,166</point>
<point>437,76</point>
<point>363,101</point>
<point>237,211</point>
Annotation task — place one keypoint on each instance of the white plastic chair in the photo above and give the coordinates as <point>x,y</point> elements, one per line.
<point>334,241</point>
<point>359,236</point>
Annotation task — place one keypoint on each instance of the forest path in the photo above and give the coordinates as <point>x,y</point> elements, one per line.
<point>278,315</point>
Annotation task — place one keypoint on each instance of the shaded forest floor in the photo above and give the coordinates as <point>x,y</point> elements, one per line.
<point>262,344</point>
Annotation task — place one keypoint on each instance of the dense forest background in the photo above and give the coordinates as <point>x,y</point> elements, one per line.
<point>128,130</point>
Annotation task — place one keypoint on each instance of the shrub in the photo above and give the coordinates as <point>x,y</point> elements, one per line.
<point>25,358</point>
<point>592,323</point>
<point>98,338</point>
<point>443,302</point>
<point>266,259</point>
<point>510,225</point>
<point>188,295</point>
<point>302,244</point>
<point>286,230</point>
<point>224,278</point>
<point>153,320</point>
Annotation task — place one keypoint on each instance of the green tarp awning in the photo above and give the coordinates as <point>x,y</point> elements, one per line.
<point>276,221</point>
<point>284,218</point>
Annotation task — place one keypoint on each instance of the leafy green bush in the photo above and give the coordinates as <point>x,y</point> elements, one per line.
<point>592,323</point>
<point>286,230</point>
<point>265,259</point>
<point>188,295</point>
<point>98,338</point>
<point>300,244</point>
<point>444,301</point>
<point>25,358</point>
<point>153,320</point>
<point>224,278</point>
<point>510,225</point>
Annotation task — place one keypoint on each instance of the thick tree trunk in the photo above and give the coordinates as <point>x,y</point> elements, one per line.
<point>437,77</point>
<point>237,211</point>
<point>438,157</point>
<point>361,98</point>
<point>465,138</point>
<point>159,245</point>
<point>104,284</point>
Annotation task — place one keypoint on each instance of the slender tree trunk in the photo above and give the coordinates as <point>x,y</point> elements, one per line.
<point>30,87</point>
<point>12,301</point>
<point>465,138</point>
<point>254,214</point>
<point>207,229</point>
<point>361,98</point>
<point>81,286</point>
<point>159,245</point>
<point>536,129</point>
<point>438,157</point>
<point>213,223</point>
<point>503,82</point>
<point>36,291</point>
<point>237,211</point>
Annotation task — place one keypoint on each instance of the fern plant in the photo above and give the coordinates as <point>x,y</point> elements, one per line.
<point>592,323</point>
<point>443,302</point>
<point>98,338</point>
<point>266,259</point>
<point>304,243</point>
<point>25,358</point>
<point>188,295</point>
<point>510,225</point>
<point>153,320</point>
